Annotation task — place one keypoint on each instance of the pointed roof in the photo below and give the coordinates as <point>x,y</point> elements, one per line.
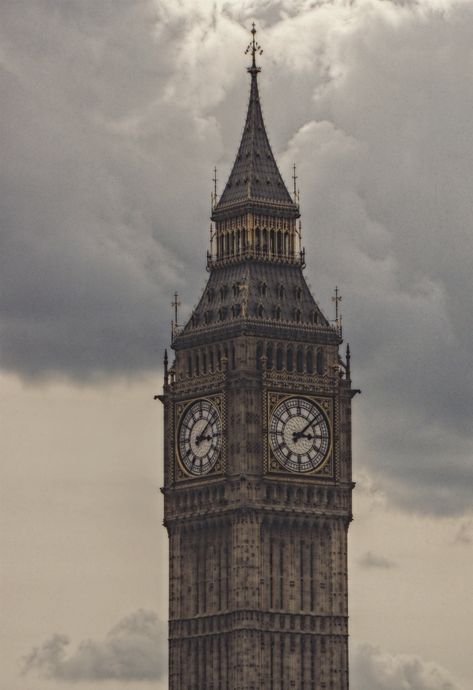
<point>255,178</point>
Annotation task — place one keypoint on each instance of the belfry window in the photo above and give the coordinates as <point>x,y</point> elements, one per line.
<point>320,362</point>
<point>279,358</point>
<point>259,354</point>
<point>299,361</point>
<point>289,359</point>
<point>310,362</point>
<point>269,357</point>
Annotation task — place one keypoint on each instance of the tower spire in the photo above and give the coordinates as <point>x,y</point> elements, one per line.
<point>255,183</point>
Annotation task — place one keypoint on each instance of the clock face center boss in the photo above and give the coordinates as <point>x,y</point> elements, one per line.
<point>299,436</point>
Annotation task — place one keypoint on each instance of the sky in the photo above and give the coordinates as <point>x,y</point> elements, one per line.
<point>113,117</point>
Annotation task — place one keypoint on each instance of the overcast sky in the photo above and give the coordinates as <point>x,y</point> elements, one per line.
<point>113,116</point>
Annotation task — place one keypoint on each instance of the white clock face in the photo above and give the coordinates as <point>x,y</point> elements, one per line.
<point>200,437</point>
<point>299,435</point>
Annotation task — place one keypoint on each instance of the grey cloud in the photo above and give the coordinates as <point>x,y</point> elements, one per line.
<point>114,113</point>
<point>373,669</point>
<point>134,650</point>
<point>372,560</point>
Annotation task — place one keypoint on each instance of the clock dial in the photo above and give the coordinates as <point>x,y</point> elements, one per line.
<point>200,437</point>
<point>299,435</point>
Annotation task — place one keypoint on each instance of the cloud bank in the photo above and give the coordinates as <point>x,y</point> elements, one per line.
<point>373,669</point>
<point>134,650</point>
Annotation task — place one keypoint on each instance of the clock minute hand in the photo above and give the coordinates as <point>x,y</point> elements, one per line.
<point>298,434</point>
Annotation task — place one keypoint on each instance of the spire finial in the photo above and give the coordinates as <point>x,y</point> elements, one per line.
<point>214,192</point>
<point>337,299</point>
<point>255,48</point>
<point>175,304</point>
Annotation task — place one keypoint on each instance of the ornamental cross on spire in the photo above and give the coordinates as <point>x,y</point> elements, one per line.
<point>255,48</point>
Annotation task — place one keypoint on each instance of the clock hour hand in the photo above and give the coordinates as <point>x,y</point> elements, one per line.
<point>202,436</point>
<point>308,436</point>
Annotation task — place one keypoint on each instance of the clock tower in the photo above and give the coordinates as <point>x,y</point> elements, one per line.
<point>257,452</point>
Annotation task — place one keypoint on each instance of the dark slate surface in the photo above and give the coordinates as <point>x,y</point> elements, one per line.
<point>255,175</point>
<point>249,300</point>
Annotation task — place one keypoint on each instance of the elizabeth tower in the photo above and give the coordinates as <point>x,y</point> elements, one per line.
<point>257,453</point>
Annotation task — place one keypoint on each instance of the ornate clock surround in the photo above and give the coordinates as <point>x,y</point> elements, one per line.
<point>179,409</point>
<point>327,470</point>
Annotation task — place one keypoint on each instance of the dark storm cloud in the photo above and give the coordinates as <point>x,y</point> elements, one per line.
<point>113,115</point>
<point>135,649</point>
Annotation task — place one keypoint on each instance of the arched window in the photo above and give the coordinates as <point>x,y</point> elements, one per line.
<point>320,362</point>
<point>279,242</point>
<point>260,310</point>
<point>297,315</point>
<point>299,361</point>
<point>257,240</point>
<point>263,288</point>
<point>271,241</point>
<point>281,291</point>
<point>196,360</point>
<point>269,357</point>
<point>259,354</point>
<point>310,362</point>
<point>204,363</point>
<point>211,358</point>
<point>289,359</point>
<point>279,358</point>
<point>189,366</point>
<point>277,313</point>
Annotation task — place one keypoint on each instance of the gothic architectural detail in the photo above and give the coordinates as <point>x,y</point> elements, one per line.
<point>257,453</point>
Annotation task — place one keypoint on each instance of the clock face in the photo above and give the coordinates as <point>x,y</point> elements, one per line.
<point>200,437</point>
<point>299,435</point>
